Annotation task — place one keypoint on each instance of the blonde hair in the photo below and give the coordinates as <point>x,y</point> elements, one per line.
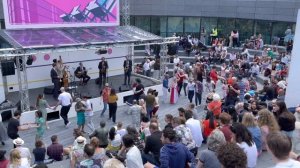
<point>267,118</point>
<point>113,163</point>
<point>248,120</point>
<point>15,157</point>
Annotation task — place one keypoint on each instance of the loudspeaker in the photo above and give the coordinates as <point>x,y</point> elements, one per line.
<point>7,68</point>
<point>29,60</point>
<point>101,51</point>
<point>124,88</point>
<point>48,90</point>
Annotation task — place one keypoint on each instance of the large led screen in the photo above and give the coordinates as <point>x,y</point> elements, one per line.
<point>60,13</point>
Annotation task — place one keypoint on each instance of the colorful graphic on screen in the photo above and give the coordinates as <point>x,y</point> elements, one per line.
<point>60,13</point>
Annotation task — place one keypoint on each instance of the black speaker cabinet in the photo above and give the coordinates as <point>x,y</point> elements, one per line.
<point>8,67</point>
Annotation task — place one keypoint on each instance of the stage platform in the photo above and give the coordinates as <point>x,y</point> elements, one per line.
<point>91,90</point>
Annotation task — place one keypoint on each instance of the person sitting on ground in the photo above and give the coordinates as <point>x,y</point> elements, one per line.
<point>138,142</point>
<point>120,130</point>
<point>168,120</point>
<point>114,140</point>
<point>215,106</point>
<point>24,151</point>
<point>184,134</point>
<point>77,154</point>
<point>153,145</point>
<point>194,126</point>
<point>133,154</point>
<point>244,140</point>
<point>237,159</point>
<point>39,152</point>
<point>192,108</point>
<point>250,122</point>
<point>208,125</point>
<point>280,147</point>
<point>55,150</point>
<point>99,154</point>
<point>102,134</point>
<point>173,154</point>
<point>113,163</point>
<point>208,157</point>
<point>89,151</point>
<point>16,161</point>
<point>225,126</point>
<point>181,112</point>
<point>3,161</point>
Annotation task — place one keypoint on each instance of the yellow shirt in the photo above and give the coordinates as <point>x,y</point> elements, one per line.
<point>112,98</point>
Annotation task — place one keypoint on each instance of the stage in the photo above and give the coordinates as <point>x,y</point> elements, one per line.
<point>91,89</point>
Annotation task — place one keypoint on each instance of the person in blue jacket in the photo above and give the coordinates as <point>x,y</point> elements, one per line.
<point>173,154</point>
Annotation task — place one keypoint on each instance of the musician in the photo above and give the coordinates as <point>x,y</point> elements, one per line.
<point>60,68</point>
<point>55,80</point>
<point>81,73</point>
<point>127,65</point>
<point>103,66</point>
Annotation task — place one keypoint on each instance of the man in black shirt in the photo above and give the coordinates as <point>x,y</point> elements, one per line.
<point>14,126</point>
<point>153,145</point>
<point>127,65</point>
<point>139,89</point>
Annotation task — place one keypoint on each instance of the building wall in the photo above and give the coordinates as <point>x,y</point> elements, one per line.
<point>274,10</point>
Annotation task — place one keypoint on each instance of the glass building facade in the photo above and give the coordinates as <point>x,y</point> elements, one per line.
<point>168,25</point>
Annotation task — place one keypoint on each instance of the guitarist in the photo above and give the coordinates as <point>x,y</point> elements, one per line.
<point>81,73</point>
<point>127,65</point>
<point>103,66</point>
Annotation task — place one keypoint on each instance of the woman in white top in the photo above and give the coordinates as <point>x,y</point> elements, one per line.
<point>114,140</point>
<point>16,161</point>
<point>190,90</point>
<point>244,140</point>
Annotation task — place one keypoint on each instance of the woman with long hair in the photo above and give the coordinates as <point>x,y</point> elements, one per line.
<point>286,120</point>
<point>42,105</point>
<point>39,125</point>
<point>267,123</point>
<point>112,104</point>
<point>244,140</point>
<point>209,124</point>
<point>249,122</point>
<point>99,155</point>
<point>16,161</point>
<point>114,140</point>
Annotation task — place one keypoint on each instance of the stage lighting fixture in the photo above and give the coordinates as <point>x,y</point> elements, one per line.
<point>101,51</point>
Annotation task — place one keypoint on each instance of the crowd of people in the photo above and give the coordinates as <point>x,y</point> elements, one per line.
<point>241,119</point>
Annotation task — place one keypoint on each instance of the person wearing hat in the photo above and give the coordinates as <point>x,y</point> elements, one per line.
<point>3,161</point>
<point>77,154</point>
<point>24,152</point>
<point>80,109</point>
<point>65,100</point>
<point>105,94</point>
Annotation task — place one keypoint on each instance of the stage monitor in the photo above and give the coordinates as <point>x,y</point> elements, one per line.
<point>20,14</point>
<point>8,67</point>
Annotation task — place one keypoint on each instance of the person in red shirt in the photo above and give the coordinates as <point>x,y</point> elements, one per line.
<point>214,75</point>
<point>225,119</point>
<point>105,94</point>
<point>180,76</point>
<point>215,106</point>
<point>209,125</point>
<point>3,161</point>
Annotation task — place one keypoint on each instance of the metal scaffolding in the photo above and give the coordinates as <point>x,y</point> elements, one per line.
<point>23,83</point>
<point>126,12</point>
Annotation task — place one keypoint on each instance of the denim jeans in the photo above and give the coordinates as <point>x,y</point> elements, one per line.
<point>104,108</point>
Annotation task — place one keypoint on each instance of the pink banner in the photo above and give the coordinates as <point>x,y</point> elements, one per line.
<point>60,13</point>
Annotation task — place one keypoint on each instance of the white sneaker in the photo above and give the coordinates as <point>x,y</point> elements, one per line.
<point>68,124</point>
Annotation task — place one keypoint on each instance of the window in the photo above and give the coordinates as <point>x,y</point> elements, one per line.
<point>143,22</point>
<point>192,26</point>
<point>208,24</point>
<point>245,28</point>
<point>175,25</point>
<point>225,26</point>
<point>264,28</point>
<point>163,26</point>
